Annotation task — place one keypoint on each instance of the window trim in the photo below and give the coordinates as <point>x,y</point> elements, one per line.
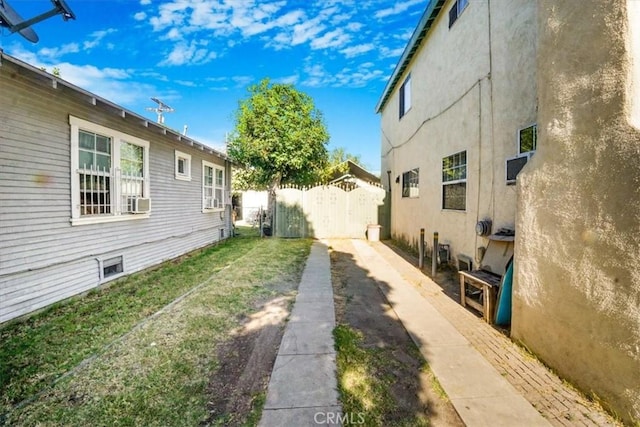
<point>404,97</point>
<point>455,182</point>
<point>117,138</point>
<point>185,176</point>
<point>519,139</point>
<point>458,9</point>
<point>409,196</point>
<point>223,188</point>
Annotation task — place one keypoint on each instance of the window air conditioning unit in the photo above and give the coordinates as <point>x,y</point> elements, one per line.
<point>514,165</point>
<point>140,205</point>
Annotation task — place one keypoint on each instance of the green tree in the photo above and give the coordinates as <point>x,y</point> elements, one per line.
<point>279,138</point>
<point>337,163</point>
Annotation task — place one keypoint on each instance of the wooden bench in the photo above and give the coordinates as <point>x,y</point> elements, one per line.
<point>488,283</point>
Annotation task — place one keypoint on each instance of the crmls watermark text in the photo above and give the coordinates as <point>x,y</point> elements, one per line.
<point>338,418</point>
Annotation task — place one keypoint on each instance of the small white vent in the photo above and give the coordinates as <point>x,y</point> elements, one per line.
<point>111,267</point>
<point>464,263</point>
<point>140,205</point>
<point>514,165</point>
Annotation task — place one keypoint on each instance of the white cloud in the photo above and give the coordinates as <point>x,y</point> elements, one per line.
<point>306,31</point>
<point>339,18</point>
<point>170,14</point>
<point>173,34</point>
<point>385,52</point>
<point>397,8</point>
<point>352,51</point>
<point>288,80</point>
<point>336,38</point>
<point>188,53</point>
<point>145,2</point>
<point>242,81</point>
<point>57,52</point>
<point>186,83</point>
<point>404,35</point>
<point>96,37</point>
<point>318,76</point>
<point>216,79</point>
<point>332,30</point>
<point>112,84</point>
<point>140,16</point>
<point>354,26</point>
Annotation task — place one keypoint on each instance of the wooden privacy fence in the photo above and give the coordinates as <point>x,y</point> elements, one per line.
<point>328,211</point>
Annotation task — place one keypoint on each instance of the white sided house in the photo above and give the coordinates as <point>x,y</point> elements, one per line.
<point>458,119</point>
<point>90,192</point>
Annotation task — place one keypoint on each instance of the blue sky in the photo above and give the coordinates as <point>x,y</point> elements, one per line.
<point>199,57</point>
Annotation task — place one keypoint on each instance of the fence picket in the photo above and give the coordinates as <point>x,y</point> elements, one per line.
<point>327,211</point>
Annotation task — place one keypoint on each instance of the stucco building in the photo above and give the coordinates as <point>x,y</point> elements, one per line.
<point>459,105</point>
<point>480,88</point>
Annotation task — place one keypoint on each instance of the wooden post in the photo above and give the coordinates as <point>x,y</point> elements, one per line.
<point>421,250</point>
<point>434,255</point>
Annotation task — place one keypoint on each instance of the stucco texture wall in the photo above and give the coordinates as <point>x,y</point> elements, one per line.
<point>577,277</point>
<point>473,87</point>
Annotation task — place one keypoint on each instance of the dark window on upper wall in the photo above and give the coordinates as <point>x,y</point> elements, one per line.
<point>456,10</point>
<point>405,96</point>
<point>411,183</point>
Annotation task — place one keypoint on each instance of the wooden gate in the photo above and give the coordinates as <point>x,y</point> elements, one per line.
<point>328,211</point>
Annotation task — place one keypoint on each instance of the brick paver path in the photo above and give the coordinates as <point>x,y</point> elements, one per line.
<point>555,400</point>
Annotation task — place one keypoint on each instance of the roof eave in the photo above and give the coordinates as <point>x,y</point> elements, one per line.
<point>428,17</point>
<point>94,99</point>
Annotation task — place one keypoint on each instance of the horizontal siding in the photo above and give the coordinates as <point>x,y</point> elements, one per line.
<point>30,291</point>
<point>25,292</point>
<point>43,258</point>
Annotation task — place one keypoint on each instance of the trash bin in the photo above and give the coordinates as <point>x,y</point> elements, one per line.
<point>373,232</point>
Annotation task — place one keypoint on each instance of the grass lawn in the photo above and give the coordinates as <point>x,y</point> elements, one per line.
<point>365,379</point>
<point>111,358</point>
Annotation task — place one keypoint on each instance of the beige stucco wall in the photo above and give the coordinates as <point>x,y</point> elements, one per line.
<point>473,87</point>
<point>577,282</point>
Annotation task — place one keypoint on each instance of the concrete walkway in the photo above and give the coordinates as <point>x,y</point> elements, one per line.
<point>303,389</point>
<point>488,379</point>
<point>480,395</point>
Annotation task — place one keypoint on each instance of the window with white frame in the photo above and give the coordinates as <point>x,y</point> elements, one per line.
<point>183,166</point>
<point>410,183</point>
<point>405,96</point>
<point>109,174</point>
<point>454,181</point>
<point>527,139</point>
<point>456,10</point>
<point>212,186</point>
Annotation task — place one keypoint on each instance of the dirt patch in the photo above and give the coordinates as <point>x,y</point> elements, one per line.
<point>238,387</point>
<point>361,305</point>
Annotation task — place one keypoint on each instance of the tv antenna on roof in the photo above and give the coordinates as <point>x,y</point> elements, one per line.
<point>10,19</point>
<point>160,109</point>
